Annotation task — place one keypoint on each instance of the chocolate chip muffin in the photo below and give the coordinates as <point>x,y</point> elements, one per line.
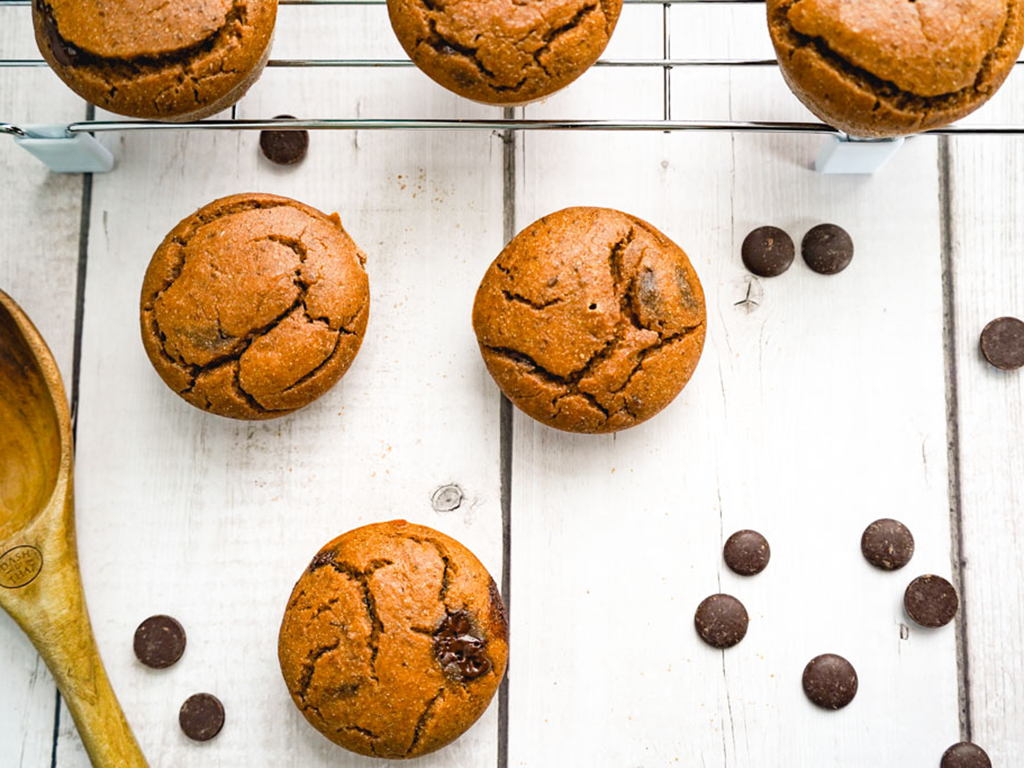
<point>877,68</point>
<point>590,320</point>
<point>504,51</point>
<point>254,306</point>
<point>394,640</point>
<point>156,59</point>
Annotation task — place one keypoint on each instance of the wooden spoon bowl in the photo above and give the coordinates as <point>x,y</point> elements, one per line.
<point>40,585</point>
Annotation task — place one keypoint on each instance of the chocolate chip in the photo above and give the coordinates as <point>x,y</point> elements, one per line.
<point>767,251</point>
<point>830,681</point>
<point>284,147</point>
<point>201,716</point>
<point>887,544</point>
<point>721,621</point>
<point>322,558</point>
<point>159,641</point>
<point>965,755</point>
<point>747,552</point>
<point>827,249</point>
<point>931,601</point>
<point>1002,343</point>
<point>458,648</point>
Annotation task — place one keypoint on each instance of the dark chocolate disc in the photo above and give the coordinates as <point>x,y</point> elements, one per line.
<point>827,249</point>
<point>721,621</point>
<point>159,641</point>
<point>201,716</point>
<point>1002,343</point>
<point>284,147</point>
<point>887,544</point>
<point>931,601</point>
<point>747,552</point>
<point>830,681</point>
<point>767,251</point>
<point>965,755</point>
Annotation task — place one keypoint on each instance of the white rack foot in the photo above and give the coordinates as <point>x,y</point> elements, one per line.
<point>65,152</point>
<point>845,154</point>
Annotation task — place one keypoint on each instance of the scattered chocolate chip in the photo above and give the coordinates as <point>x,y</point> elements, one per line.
<point>887,544</point>
<point>827,249</point>
<point>721,621</point>
<point>830,681</point>
<point>1002,343</point>
<point>931,601</point>
<point>159,641</point>
<point>965,755</point>
<point>767,251</point>
<point>461,654</point>
<point>201,716</point>
<point>747,552</point>
<point>284,147</point>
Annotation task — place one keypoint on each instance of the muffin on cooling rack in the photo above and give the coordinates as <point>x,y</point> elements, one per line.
<point>892,67</point>
<point>156,59</point>
<point>394,640</point>
<point>504,51</point>
<point>590,320</point>
<point>254,306</point>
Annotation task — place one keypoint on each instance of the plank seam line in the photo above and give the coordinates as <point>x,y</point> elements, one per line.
<point>76,356</point>
<point>953,434</point>
<point>508,170</point>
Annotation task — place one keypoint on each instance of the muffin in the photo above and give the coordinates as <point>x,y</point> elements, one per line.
<point>394,640</point>
<point>254,306</point>
<point>504,51</point>
<point>892,67</point>
<point>156,59</point>
<point>590,320</point>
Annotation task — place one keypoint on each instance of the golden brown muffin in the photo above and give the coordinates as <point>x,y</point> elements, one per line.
<point>590,320</point>
<point>504,51</point>
<point>157,59</point>
<point>254,306</point>
<point>394,640</point>
<point>877,68</point>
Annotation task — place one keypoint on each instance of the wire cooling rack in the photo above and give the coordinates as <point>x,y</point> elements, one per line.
<point>666,63</point>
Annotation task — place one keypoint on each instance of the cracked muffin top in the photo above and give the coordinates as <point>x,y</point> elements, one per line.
<point>156,59</point>
<point>590,320</point>
<point>878,68</point>
<point>504,51</point>
<point>254,306</point>
<point>394,640</point>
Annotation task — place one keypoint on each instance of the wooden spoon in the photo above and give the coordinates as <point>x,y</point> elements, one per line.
<point>40,584</point>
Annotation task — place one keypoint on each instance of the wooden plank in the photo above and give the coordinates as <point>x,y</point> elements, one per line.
<point>212,521</point>
<point>39,240</point>
<point>811,414</point>
<point>986,198</point>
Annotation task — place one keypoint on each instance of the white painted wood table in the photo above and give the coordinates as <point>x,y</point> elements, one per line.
<point>818,406</point>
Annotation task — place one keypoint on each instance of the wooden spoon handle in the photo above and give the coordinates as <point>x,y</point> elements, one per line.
<point>51,609</point>
<point>74,660</point>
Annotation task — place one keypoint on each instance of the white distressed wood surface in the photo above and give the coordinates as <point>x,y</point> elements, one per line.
<point>39,222</point>
<point>987,225</point>
<point>812,413</point>
<point>212,521</point>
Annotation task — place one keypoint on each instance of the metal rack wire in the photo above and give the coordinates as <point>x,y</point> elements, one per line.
<point>666,63</point>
